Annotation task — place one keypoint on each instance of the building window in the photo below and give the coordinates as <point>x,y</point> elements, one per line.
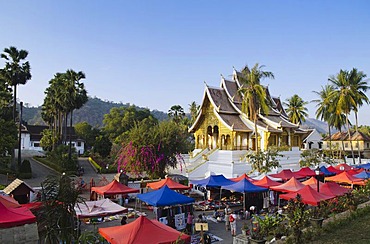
<point>356,145</point>
<point>36,144</point>
<point>73,144</point>
<point>78,143</point>
<point>367,145</point>
<point>346,145</point>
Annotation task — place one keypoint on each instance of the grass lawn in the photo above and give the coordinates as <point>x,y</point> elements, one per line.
<point>356,230</point>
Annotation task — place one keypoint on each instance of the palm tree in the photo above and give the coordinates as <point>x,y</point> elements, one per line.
<point>324,108</point>
<point>254,94</point>
<point>338,121</point>
<point>193,108</point>
<point>76,99</point>
<point>16,71</point>
<point>296,109</point>
<point>344,99</point>
<point>359,87</point>
<point>176,112</point>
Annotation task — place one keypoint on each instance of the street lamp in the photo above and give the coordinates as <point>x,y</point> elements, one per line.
<point>317,172</point>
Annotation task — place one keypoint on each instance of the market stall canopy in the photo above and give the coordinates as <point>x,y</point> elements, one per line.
<point>313,183</point>
<point>9,202</point>
<point>113,188</point>
<point>362,175</point>
<point>244,186</point>
<point>306,172</point>
<point>100,208</point>
<point>308,195</point>
<point>291,185</point>
<point>266,182</point>
<point>10,217</point>
<point>364,166</point>
<point>287,174</point>
<point>243,176</point>
<point>354,171</point>
<point>168,182</point>
<point>143,230</point>
<point>332,188</point>
<point>261,176</point>
<point>343,166</point>
<point>344,177</point>
<point>213,181</point>
<point>334,170</point>
<point>325,171</point>
<point>164,197</point>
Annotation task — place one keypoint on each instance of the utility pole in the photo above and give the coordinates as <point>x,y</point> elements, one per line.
<point>20,137</point>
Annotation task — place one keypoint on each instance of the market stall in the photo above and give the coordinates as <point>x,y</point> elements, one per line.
<point>143,230</point>
<point>100,208</point>
<point>112,189</point>
<point>291,185</point>
<point>171,208</point>
<point>308,196</point>
<point>10,217</point>
<point>287,174</point>
<point>167,182</point>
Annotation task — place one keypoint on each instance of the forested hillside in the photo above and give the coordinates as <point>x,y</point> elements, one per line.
<point>92,112</point>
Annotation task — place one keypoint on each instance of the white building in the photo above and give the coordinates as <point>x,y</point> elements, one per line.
<point>32,134</point>
<point>313,140</point>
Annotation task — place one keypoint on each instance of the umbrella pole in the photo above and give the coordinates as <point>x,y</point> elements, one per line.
<point>244,210</point>
<point>219,206</point>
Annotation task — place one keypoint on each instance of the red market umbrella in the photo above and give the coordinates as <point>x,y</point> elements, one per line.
<point>308,195</point>
<point>306,172</point>
<point>9,202</point>
<point>142,230</point>
<point>113,188</point>
<point>343,166</point>
<point>266,182</point>
<point>243,176</point>
<point>168,182</point>
<point>10,217</point>
<point>287,174</point>
<point>332,188</point>
<point>334,170</point>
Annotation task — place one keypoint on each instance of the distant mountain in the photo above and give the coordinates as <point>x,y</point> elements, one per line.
<point>92,112</point>
<point>319,125</point>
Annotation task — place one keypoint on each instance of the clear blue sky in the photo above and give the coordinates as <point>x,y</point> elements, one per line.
<point>156,54</point>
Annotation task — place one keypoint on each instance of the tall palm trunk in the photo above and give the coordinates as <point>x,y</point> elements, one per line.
<point>349,138</point>
<point>255,132</point>
<point>344,155</point>
<point>358,144</point>
<point>70,136</point>
<point>15,102</point>
<point>330,149</point>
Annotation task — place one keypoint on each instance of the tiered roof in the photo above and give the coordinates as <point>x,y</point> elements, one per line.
<point>227,103</point>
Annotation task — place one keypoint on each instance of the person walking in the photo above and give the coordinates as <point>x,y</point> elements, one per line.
<point>232,220</point>
<point>227,215</point>
<point>189,223</point>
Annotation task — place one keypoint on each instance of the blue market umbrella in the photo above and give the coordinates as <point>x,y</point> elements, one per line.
<point>326,172</point>
<point>213,181</point>
<point>362,175</point>
<point>164,197</point>
<point>364,166</point>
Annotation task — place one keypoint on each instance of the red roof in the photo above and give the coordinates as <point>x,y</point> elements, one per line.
<point>332,188</point>
<point>354,171</point>
<point>313,183</point>
<point>308,196</point>
<point>344,177</point>
<point>266,182</point>
<point>343,166</point>
<point>334,170</point>
<point>113,188</point>
<point>286,174</point>
<point>291,185</point>
<point>168,182</point>
<point>306,172</point>
<point>243,176</point>
<point>10,217</point>
<point>142,230</point>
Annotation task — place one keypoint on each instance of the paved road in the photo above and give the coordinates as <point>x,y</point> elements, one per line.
<point>39,173</point>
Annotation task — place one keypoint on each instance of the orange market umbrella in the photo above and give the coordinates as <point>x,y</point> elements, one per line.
<point>291,185</point>
<point>142,230</point>
<point>313,183</point>
<point>344,177</point>
<point>168,182</point>
<point>243,176</point>
<point>113,188</point>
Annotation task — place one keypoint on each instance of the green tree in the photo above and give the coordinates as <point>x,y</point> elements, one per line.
<point>16,71</point>
<point>176,113</point>
<point>344,99</point>
<point>194,109</point>
<point>263,162</point>
<point>120,120</point>
<point>325,109</point>
<point>48,140</point>
<point>359,87</point>
<point>296,109</point>
<point>85,131</point>
<point>254,94</point>
<point>102,146</point>
<point>56,216</point>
